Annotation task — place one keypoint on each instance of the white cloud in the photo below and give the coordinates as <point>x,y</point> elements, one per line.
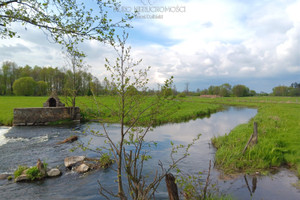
<point>228,39</point>
<point>212,40</point>
<point>294,69</point>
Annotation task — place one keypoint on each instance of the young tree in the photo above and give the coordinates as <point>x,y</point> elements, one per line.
<point>187,88</point>
<point>75,62</point>
<point>136,113</point>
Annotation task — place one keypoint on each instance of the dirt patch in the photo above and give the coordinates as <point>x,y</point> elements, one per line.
<point>209,96</point>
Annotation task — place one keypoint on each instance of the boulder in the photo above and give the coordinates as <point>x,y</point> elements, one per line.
<point>69,139</point>
<point>82,168</point>
<point>21,178</point>
<point>70,161</point>
<point>54,172</point>
<point>4,176</point>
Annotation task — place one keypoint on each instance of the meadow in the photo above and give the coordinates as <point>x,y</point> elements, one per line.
<point>278,136</point>
<point>8,103</point>
<point>277,118</point>
<point>179,111</point>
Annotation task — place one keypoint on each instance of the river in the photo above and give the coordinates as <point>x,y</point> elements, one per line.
<point>24,145</point>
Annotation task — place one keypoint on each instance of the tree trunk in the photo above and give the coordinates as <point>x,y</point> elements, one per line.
<point>172,187</point>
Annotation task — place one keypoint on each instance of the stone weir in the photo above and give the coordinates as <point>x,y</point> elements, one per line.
<point>52,111</point>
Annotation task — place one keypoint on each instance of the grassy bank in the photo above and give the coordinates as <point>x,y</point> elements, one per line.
<point>175,110</point>
<point>278,121</point>
<point>8,103</point>
<point>178,112</point>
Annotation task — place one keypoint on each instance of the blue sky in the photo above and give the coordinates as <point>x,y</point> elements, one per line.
<point>200,42</point>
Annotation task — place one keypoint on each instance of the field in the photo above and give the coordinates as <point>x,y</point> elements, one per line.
<point>8,103</point>
<point>277,118</point>
<point>178,111</point>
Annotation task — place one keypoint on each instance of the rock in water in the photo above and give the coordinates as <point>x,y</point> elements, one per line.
<point>4,176</point>
<point>53,172</point>
<point>70,139</point>
<point>70,161</point>
<point>82,168</point>
<point>21,178</point>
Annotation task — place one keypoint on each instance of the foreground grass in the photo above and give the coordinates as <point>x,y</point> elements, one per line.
<point>278,136</point>
<point>178,111</point>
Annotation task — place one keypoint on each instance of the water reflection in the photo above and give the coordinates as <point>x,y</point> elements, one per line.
<point>254,183</point>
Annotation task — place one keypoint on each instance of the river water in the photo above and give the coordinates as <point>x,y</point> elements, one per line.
<point>24,145</point>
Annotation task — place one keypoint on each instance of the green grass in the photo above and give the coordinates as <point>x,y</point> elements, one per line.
<point>177,111</point>
<point>8,103</point>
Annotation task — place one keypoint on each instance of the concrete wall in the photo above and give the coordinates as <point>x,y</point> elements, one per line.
<point>42,116</point>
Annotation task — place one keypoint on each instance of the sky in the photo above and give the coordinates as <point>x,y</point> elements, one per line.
<point>200,42</point>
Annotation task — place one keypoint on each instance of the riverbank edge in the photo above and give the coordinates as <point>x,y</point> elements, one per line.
<point>226,145</point>
<point>185,113</point>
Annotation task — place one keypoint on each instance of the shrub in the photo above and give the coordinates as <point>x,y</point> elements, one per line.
<point>105,160</point>
<point>182,94</point>
<point>33,173</point>
<point>24,86</point>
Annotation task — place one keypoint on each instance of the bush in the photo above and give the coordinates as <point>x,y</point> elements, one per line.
<point>182,94</point>
<point>24,86</point>
<point>105,160</point>
<point>34,173</point>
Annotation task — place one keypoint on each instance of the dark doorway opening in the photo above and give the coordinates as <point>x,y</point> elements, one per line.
<point>52,102</point>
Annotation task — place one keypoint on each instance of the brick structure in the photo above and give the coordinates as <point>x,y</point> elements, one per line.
<point>52,111</point>
<point>53,101</point>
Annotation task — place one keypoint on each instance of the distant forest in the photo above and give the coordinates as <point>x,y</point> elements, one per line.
<point>40,81</point>
<point>226,90</point>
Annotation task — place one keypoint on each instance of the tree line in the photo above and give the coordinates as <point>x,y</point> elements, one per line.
<point>292,90</point>
<point>226,90</point>
<point>40,81</point>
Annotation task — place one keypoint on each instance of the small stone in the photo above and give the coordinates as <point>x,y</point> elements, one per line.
<point>21,178</point>
<point>4,176</point>
<point>82,168</point>
<point>70,161</point>
<point>54,172</point>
